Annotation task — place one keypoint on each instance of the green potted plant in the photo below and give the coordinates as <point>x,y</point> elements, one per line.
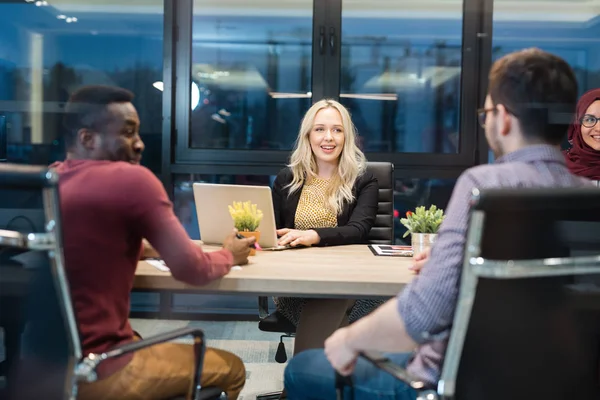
<point>423,225</point>
<point>246,219</point>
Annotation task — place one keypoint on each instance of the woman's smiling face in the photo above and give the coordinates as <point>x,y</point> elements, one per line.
<point>327,135</point>
<point>591,133</point>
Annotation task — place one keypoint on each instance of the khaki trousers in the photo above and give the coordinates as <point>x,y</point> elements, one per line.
<point>165,371</point>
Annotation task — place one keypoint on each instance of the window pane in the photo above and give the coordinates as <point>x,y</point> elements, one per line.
<point>412,193</point>
<point>570,32</point>
<point>400,77</point>
<point>50,50</point>
<point>251,73</point>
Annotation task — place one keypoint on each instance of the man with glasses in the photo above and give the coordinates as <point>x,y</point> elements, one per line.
<point>530,102</point>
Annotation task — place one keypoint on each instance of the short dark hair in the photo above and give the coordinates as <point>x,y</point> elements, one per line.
<point>539,89</point>
<point>86,108</point>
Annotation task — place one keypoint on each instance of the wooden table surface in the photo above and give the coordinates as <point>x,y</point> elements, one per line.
<point>340,271</point>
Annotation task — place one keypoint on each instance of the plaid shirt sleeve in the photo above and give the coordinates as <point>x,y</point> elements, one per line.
<point>427,304</point>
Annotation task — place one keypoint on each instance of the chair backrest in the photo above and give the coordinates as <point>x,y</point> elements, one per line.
<point>49,347</point>
<point>522,328</point>
<point>537,223</point>
<point>383,230</point>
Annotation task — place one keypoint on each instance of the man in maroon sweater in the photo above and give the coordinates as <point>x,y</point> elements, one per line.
<point>109,203</point>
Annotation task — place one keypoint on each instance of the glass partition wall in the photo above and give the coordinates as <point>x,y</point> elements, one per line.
<point>254,69</point>
<point>221,86</point>
<point>50,48</point>
<point>400,73</point>
<point>567,29</point>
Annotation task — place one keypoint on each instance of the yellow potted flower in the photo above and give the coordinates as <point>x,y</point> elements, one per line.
<point>246,219</point>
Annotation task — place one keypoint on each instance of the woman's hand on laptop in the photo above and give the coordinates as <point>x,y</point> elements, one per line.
<point>240,248</point>
<point>295,237</point>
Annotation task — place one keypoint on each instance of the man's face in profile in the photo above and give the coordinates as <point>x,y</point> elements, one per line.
<point>491,130</point>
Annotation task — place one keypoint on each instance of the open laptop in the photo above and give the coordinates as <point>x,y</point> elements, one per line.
<point>214,220</point>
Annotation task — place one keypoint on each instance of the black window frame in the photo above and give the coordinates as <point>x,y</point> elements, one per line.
<point>179,158</point>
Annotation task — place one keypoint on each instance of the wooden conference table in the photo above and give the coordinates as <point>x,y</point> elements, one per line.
<point>332,272</point>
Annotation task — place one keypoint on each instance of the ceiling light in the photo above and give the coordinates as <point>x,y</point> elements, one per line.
<point>68,20</point>
<point>40,3</point>
<point>159,85</point>
<point>195,95</point>
<point>195,92</point>
<point>370,96</point>
<point>282,95</point>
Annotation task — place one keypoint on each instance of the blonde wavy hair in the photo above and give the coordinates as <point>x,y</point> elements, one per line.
<point>351,163</point>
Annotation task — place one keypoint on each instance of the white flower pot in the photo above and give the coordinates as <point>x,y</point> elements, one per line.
<point>422,241</point>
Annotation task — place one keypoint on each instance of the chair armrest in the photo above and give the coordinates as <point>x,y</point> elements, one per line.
<point>32,241</point>
<point>383,363</point>
<point>86,370</point>
<point>263,307</point>
<point>15,176</point>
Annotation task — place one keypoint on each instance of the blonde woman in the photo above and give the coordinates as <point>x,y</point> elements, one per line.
<point>324,197</point>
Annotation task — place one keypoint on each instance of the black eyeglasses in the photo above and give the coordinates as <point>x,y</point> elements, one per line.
<point>589,121</point>
<point>482,115</point>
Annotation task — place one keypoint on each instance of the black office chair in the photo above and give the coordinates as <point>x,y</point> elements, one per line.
<point>527,324</point>
<point>382,231</point>
<point>50,362</point>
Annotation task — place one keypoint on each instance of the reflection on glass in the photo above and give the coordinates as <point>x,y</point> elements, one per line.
<point>400,73</point>
<point>567,30</point>
<point>252,65</point>
<point>49,51</point>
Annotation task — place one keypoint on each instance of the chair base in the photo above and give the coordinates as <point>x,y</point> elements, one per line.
<point>276,322</point>
<point>281,354</point>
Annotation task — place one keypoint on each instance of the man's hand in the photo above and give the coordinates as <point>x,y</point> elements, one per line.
<point>295,237</point>
<point>419,260</point>
<point>341,356</point>
<point>240,248</point>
